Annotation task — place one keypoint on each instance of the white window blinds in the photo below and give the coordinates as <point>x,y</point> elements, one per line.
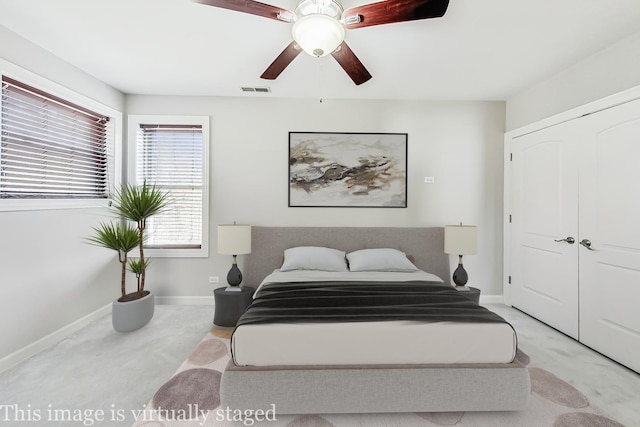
<point>171,157</point>
<point>51,148</point>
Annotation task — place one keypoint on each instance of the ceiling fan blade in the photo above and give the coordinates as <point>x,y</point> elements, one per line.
<point>351,64</point>
<point>282,61</point>
<point>392,11</point>
<point>252,7</point>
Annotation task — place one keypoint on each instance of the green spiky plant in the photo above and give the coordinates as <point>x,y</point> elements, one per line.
<point>122,238</point>
<point>136,266</point>
<point>135,204</point>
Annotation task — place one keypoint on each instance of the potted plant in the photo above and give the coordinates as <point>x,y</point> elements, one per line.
<point>133,204</point>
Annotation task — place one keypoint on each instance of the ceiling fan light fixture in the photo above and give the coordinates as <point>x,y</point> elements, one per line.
<point>318,34</point>
<point>332,8</point>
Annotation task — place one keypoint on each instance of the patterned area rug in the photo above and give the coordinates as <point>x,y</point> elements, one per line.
<point>191,398</point>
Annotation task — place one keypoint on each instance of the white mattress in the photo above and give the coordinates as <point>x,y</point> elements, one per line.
<point>370,343</point>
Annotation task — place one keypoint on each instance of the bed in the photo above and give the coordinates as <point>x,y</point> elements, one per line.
<point>364,365</point>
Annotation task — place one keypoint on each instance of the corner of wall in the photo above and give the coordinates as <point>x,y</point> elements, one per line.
<point>607,72</point>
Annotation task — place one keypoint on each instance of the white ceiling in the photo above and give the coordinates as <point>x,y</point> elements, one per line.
<point>480,49</point>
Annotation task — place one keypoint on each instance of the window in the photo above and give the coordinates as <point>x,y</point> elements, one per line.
<point>52,148</point>
<point>172,154</point>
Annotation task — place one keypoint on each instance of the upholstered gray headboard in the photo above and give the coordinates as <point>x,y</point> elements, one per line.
<point>424,245</point>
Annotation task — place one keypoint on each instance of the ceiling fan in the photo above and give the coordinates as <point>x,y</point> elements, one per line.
<point>319,27</point>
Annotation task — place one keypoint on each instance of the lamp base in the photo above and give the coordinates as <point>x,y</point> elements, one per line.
<point>234,277</point>
<point>460,276</point>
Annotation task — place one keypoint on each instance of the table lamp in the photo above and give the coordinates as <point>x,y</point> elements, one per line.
<point>460,240</point>
<point>234,239</point>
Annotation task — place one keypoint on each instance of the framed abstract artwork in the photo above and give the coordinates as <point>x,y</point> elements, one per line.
<point>329,169</point>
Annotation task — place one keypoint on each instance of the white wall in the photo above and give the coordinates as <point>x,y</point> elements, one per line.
<point>25,54</point>
<point>605,73</point>
<point>49,277</point>
<point>459,143</point>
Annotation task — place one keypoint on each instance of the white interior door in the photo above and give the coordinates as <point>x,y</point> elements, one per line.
<point>610,220</point>
<point>544,202</point>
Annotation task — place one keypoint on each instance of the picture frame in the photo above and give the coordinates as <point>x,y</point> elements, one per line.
<point>347,169</point>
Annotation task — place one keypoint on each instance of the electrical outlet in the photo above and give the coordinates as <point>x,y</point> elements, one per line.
<point>429,180</point>
<point>214,279</point>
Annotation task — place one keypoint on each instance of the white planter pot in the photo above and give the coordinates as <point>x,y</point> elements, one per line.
<point>131,315</point>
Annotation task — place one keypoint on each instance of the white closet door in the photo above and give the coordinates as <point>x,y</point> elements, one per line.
<point>544,200</point>
<point>610,220</point>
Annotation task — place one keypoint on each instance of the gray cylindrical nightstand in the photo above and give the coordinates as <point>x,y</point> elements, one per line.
<point>230,305</point>
<point>472,293</point>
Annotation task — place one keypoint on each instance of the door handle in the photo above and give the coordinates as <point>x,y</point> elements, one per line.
<point>587,244</point>
<point>570,240</point>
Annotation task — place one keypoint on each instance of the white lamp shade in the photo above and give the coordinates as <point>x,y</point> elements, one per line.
<point>461,239</point>
<point>318,34</point>
<point>234,239</point>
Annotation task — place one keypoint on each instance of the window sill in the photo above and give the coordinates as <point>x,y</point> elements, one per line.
<point>10,205</point>
<point>177,253</point>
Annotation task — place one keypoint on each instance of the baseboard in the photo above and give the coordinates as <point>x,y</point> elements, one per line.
<point>185,300</point>
<point>32,349</point>
<point>491,299</point>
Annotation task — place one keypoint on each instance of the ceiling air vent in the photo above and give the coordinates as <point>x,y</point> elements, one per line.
<point>256,89</point>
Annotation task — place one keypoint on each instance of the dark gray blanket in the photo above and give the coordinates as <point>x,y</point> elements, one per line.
<point>316,302</point>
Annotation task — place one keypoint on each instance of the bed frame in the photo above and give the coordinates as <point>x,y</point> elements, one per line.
<point>367,389</point>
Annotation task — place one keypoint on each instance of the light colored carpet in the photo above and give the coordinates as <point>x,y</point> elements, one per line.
<point>191,398</point>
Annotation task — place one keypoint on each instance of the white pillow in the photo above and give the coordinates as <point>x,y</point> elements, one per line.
<point>384,259</point>
<point>314,258</point>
